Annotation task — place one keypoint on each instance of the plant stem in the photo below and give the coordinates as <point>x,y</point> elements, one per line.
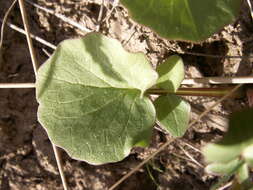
<point>211,92</point>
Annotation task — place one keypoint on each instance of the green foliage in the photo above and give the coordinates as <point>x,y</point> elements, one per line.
<point>171,73</point>
<point>220,168</point>
<point>188,20</point>
<point>93,103</point>
<point>235,142</point>
<point>173,114</point>
<point>233,154</point>
<point>93,94</point>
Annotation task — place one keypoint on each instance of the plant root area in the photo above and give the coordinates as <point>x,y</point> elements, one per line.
<point>26,156</point>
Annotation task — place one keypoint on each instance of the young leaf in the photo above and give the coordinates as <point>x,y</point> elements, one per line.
<point>232,168</point>
<point>173,114</point>
<point>238,137</point>
<point>224,168</point>
<point>248,155</point>
<point>91,96</point>
<point>243,174</point>
<point>171,73</point>
<point>190,20</point>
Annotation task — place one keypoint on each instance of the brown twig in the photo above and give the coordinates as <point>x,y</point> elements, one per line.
<point>219,80</point>
<point>62,17</point>
<point>4,21</point>
<point>99,20</point>
<point>38,39</point>
<point>141,164</point>
<point>35,67</point>
<point>17,85</point>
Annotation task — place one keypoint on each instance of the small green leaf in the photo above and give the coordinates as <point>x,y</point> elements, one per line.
<point>238,137</point>
<point>230,168</point>
<point>224,168</point>
<point>91,96</point>
<point>171,73</point>
<point>190,20</point>
<point>243,174</point>
<point>173,114</point>
<point>248,155</point>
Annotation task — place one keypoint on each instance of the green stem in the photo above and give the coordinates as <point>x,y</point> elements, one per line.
<point>211,92</point>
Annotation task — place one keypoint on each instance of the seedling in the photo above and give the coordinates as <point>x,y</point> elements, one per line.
<point>95,97</point>
<point>93,100</point>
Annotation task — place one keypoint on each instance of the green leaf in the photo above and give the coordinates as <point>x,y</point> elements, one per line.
<point>171,73</point>
<point>224,168</point>
<point>231,168</point>
<point>243,174</point>
<point>238,137</point>
<point>91,96</point>
<point>248,155</point>
<point>188,20</point>
<point>173,114</point>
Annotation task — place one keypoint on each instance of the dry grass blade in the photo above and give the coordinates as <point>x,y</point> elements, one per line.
<point>17,85</point>
<point>141,164</point>
<point>4,21</point>
<point>215,104</point>
<point>28,37</point>
<point>190,146</point>
<point>191,157</point>
<point>63,18</point>
<point>219,80</point>
<point>38,39</point>
<point>167,143</point>
<point>250,8</point>
<point>216,56</point>
<point>114,5</point>
<point>99,21</point>
<point>35,67</point>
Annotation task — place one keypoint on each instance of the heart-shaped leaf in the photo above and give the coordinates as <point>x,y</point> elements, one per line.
<point>190,20</point>
<point>171,73</point>
<point>173,114</point>
<point>92,102</point>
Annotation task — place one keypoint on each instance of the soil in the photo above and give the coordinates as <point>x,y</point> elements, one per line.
<point>26,156</point>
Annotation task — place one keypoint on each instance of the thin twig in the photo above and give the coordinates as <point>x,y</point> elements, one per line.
<point>191,157</point>
<point>215,104</point>
<point>114,5</point>
<point>4,21</point>
<point>17,85</point>
<point>28,36</point>
<point>60,168</point>
<point>62,17</point>
<point>219,80</point>
<point>191,146</point>
<point>226,186</point>
<point>99,21</point>
<point>35,67</point>
<point>141,164</point>
<point>250,8</point>
<point>38,39</point>
<point>215,56</point>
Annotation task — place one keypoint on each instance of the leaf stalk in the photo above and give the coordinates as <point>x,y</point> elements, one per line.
<point>208,92</point>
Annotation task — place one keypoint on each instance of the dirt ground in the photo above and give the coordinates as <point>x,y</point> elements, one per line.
<point>26,156</point>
